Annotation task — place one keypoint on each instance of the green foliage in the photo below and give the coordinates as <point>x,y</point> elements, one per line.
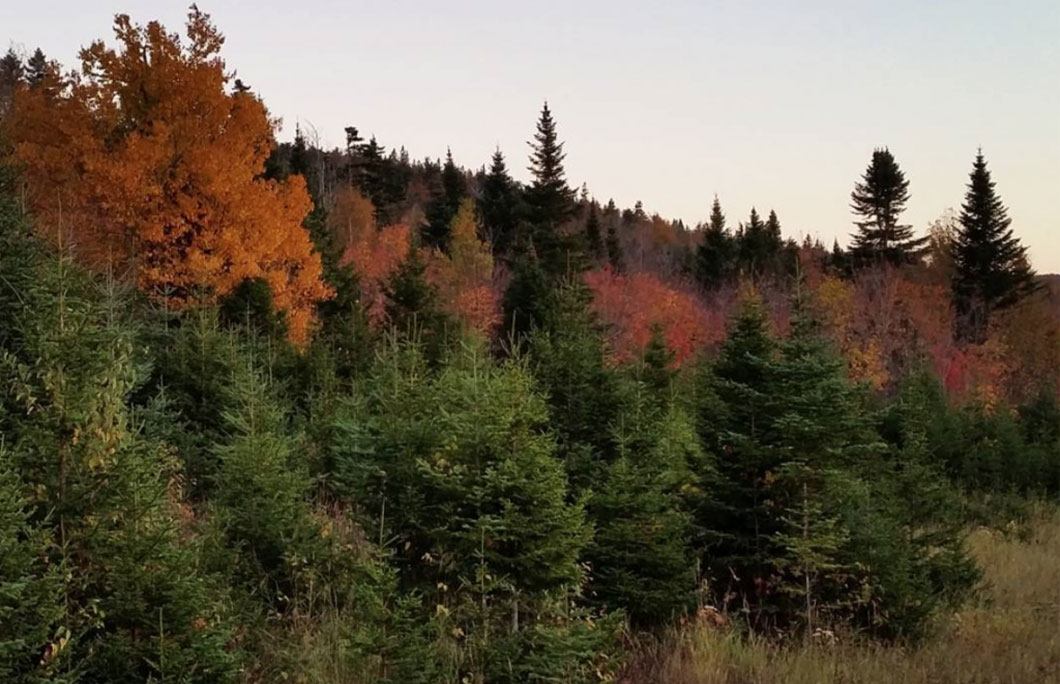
<point>498,207</point>
<point>990,265</point>
<point>717,252</point>
<point>30,588</point>
<point>568,359</point>
<point>105,496</point>
<point>879,199</point>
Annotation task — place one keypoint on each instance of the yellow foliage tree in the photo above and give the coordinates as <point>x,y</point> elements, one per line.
<point>464,277</point>
<point>143,160</point>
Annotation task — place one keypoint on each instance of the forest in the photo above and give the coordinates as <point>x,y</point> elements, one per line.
<point>272,412</point>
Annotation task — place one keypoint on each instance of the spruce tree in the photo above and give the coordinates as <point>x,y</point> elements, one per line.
<point>528,300</point>
<point>549,199</point>
<point>990,265</point>
<point>11,74</point>
<point>31,611</point>
<point>454,471</point>
<point>640,556</point>
<point>737,409</point>
<point>879,199</point>
<point>412,307</point>
<point>717,251</point>
<point>758,246</point>
<point>36,68</point>
<point>593,238</point>
<point>135,604</point>
<point>657,364</point>
<point>498,206</point>
<point>616,258</point>
<point>445,204</point>
<point>568,359</point>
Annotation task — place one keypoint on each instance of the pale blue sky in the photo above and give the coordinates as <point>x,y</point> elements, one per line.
<point>776,104</point>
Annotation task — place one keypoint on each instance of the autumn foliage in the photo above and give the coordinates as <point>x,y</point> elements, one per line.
<point>373,254</point>
<point>631,304</point>
<point>143,161</point>
<point>465,276</point>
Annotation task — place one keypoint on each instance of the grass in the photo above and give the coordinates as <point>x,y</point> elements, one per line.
<point>1009,635</point>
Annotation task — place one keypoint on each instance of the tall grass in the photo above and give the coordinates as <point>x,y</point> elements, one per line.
<point>1009,635</point>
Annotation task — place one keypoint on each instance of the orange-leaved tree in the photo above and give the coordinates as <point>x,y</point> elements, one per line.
<point>144,161</point>
<point>375,254</point>
<point>631,304</point>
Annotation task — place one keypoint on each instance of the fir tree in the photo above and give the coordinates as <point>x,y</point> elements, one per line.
<point>36,68</point>
<point>615,256</point>
<point>131,589</point>
<point>640,556</point>
<point>990,264</point>
<point>716,252</point>
<point>30,589</point>
<point>592,233</point>
<point>528,301</point>
<point>758,246</point>
<point>568,357</point>
<point>657,361</point>
<point>11,74</point>
<point>550,200</point>
<point>498,206</point>
<point>412,305</point>
<point>879,199</point>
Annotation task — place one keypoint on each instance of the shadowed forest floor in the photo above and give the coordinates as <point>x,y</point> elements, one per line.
<point>1009,635</point>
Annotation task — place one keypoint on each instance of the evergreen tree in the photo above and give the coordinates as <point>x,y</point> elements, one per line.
<point>30,589</point>
<point>498,206</point>
<point>716,252</point>
<point>549,199</point>
<point>640,556</point>
<point>412,306</point>
<point>991,269</point>
<point>134,603</point>
<point>735,410</point>
<point>568,358</point>
<point>657,372</point>
<point>593,238</point>
<point>528,301</point>
<point>758,246</point>
<point>615,256</point>
<point>11,74</point>
<point>773,227</point>
<point>445,205</point>
<point>36,68</point>
<point>879,199</point>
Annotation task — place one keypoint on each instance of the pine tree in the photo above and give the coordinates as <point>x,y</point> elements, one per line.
<point>498,206</point>
<point>991,269</point>
<point>717,251</point>
<point>549,199</point>
<point>879,199</point>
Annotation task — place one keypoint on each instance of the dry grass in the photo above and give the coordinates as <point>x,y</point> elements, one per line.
<point>1011,635</point>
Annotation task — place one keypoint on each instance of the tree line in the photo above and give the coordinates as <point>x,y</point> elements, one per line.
<point>276,413</point>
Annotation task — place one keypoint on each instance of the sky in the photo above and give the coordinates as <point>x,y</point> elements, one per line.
<point>773,104</point>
